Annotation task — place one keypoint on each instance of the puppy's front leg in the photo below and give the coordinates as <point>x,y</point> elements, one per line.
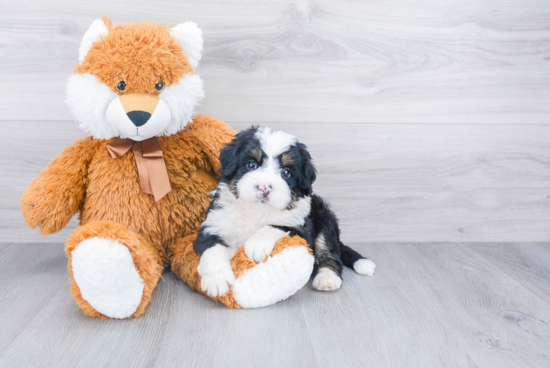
<point>215,271</point>
<point>260,245</point>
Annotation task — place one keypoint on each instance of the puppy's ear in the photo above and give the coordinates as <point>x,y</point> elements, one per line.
<point>230,154</point>
<point>228,159</point>
<point>309,174</point>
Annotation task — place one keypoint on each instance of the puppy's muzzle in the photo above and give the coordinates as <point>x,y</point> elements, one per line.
<point>139,106</point>
<point>264,190</point>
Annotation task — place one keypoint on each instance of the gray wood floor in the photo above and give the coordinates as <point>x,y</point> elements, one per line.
<point>429,305</point>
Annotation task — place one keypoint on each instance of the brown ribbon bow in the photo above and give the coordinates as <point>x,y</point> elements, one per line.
<point>150,164</point>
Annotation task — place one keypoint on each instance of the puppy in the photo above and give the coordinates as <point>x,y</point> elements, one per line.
<point>265,194</point>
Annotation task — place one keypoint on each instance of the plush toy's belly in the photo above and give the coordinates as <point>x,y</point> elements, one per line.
<point>114,194</point>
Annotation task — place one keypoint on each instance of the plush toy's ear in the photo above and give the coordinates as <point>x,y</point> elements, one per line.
<point>98,28</point>
<point>189,35</point>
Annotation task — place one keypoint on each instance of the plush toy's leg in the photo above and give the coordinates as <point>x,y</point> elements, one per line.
<point>113,270</point>
<point>279,276</point>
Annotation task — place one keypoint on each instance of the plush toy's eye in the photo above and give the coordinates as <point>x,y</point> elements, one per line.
<point>286,173</point>
<point>251,165</point>
<point>121,86</point>
<point>159,86</point>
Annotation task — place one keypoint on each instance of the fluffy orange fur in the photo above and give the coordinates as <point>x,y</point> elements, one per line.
<point>113,191</point>
<point>108,194</point>
<point>140,54</point>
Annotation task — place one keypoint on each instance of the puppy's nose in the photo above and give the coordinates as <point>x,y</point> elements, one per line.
<point>139,117</point>
<point>265,189</point>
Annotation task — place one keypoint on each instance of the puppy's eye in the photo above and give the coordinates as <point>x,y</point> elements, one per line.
<point>251,165</point>
<point>121,86</point>
<point>159,86</point>
<point>286,173</point>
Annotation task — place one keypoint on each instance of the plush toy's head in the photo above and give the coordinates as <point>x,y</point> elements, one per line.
<point>136,80</point>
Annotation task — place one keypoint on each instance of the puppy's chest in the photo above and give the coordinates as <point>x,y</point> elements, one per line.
<point>240,225</point>
<point>236,224</point>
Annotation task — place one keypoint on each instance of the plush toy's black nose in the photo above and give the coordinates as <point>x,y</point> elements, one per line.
<point>139,117</point>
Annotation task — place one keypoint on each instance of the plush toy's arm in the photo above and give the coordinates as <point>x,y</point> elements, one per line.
<point>54,196</point>
<point>212,134</point>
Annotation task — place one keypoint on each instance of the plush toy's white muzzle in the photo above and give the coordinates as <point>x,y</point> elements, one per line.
<point>139,116</point>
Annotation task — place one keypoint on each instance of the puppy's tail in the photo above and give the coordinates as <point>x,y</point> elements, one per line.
<point>352,259</point>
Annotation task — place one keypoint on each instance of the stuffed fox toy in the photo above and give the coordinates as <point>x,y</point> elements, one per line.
<point>141,179</point>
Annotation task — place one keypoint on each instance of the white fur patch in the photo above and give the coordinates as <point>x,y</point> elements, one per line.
<point>260,245</point>
<point>215,271</point>
<point>326,280</point>
<point>274,142</point>
<point>107,278</point>
<point>189,35</point>
<point>94,33</point>
<point>320,245</point>
<point>87,99</point>
<point>364,266</point>
<point>182,98</point>
<point>274,280</point>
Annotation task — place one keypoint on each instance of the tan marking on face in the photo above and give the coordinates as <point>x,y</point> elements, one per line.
<point>233,187</point>
<point>139,102</point>
<point>292,203</point>
<point>256,152</point>
<point>287,159</point>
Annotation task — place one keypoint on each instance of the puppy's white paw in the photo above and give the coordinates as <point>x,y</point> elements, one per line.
<point>364,266</point>
<point>217,284</point>
<point>326,280</point>
<point>260,245</point>
<point>215,271</point>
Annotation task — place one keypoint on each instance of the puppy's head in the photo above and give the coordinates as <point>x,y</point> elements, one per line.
<point>267,167</point>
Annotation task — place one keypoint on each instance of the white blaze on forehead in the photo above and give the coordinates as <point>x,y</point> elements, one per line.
<point>274,142</point>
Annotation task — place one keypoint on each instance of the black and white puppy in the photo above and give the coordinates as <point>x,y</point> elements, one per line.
<point>264,194</point>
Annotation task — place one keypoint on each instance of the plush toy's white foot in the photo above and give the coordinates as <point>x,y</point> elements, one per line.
<point>275,279</point>
<point>364,266</point>
<point>326,280</point>
<point>261,243</point>
<point>215,271</point>
<point>107,278</point>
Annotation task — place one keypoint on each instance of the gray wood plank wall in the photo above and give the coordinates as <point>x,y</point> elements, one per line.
<point>428,120</point>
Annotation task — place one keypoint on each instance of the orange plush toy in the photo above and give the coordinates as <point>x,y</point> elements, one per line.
<point>141,179</point>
